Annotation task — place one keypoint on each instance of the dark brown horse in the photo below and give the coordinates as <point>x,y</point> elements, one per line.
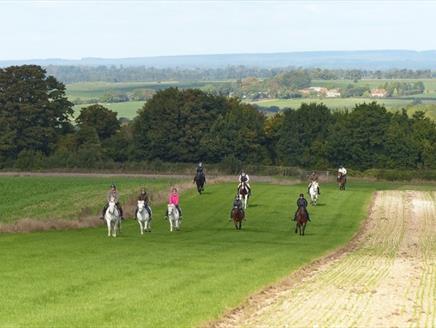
<point>200,180</point>
<point>342,180</point>
<point>301,221</point>
<point>237,216</point>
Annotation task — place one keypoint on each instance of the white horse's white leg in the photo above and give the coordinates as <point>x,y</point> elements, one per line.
<point>141,229</point>
<point>108,223</point>
<point>171,224</point>
<point>114,234</point>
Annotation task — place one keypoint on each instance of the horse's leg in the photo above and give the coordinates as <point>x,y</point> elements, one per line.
<point>141,228</point>
<point>108,228</point>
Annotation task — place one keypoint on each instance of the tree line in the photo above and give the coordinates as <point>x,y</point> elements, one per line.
<point>71,74</point>
<point>37,126</point>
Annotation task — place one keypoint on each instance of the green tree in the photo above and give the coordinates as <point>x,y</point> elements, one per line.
<point>172,123</point>
<point>300,130</point>
<point>239,133</point>
<point>102,119</point>
<point>34,111</point>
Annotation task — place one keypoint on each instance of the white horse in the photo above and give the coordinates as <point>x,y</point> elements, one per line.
<point>113,219</point>
<point>143,217</point>
<point>313,192</point>
<point>173,217</point>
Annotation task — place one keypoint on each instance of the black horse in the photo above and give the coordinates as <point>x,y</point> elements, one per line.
<point>200,180</point>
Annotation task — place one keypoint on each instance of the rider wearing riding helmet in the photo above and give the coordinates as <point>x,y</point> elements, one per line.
<point>237,203</point>
<point>313,177</point>
<point>143,197</point>
<point>243,177</point>
<point>112,194</point>
<point>200,168</point>
<point>301,203</point>
<point>343,171</point>
<point>174,199</point>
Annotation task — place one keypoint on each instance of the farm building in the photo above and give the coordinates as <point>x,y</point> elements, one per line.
<point>379,93</point>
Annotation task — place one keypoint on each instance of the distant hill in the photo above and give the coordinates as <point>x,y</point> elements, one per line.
<point>372,60</point>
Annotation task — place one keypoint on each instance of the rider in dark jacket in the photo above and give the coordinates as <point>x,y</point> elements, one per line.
<point>112,194</point>
<point>237,203</point>
<point>200,168</point>
<point>301,202</point>
<point>144,197</point>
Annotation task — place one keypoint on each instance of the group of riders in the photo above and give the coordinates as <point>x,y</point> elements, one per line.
<point>244,181</point>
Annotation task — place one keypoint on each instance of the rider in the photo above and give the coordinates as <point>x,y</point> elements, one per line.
<point>237,203</point>
<point>313,177</point>
<point>301,202</point>
<point>144,197</point>
<point>112,194</point>
<point>174,199</point>
<point>200,169</point>
<point>343,171</point>
<point>244,178</point>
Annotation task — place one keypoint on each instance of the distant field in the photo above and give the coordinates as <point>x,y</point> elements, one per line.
<point>93,90</point>
<point>333,103</point>
<point>430,84</point>
<point>127,109</point>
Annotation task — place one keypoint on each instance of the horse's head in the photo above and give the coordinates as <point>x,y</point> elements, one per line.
<point>315,184</point>
<point>111,207</point>
<point>141,205</point>
<point>171,208</point>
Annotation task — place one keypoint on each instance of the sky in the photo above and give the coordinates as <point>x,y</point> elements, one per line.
<point>138,28</point>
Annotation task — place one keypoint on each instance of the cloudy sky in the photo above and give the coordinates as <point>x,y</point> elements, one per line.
<point>137,28</point>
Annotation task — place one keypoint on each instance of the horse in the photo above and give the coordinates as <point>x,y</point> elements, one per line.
<point>237,216</point>
<point>173,217</point>
<point>301,221</point>
<point>143,218</point>
<point>113,219</point>
<point>200,180</point>
<point>341,181</point>
<point>243,191</point>
<point>313,192</point>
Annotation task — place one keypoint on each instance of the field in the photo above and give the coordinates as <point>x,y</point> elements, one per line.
<point>94,90</point>
<point>127,109</point>
<point>334,103</point>
<point>83,278</point>
<point>388,281</point>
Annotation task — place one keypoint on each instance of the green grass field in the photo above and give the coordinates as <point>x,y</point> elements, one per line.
<point>84,278</point>
<point>335,103</point>
<point>128,109</point>
<point>94,90</point>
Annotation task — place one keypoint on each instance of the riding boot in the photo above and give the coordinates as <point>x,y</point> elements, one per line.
<point>319,192</point>
<point>103,212</point>
<point>121,211</point>
<point>180,212</point>
<point>166,215</point>
<point>136,213</point>
<point>149,211</point>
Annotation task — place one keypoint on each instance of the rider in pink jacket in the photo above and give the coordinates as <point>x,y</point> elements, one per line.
<point>174,199</point>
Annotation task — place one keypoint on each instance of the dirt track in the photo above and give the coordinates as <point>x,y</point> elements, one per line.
<point>389,280</point>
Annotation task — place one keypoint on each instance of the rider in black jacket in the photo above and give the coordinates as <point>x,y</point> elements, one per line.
<point>301,202</point>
